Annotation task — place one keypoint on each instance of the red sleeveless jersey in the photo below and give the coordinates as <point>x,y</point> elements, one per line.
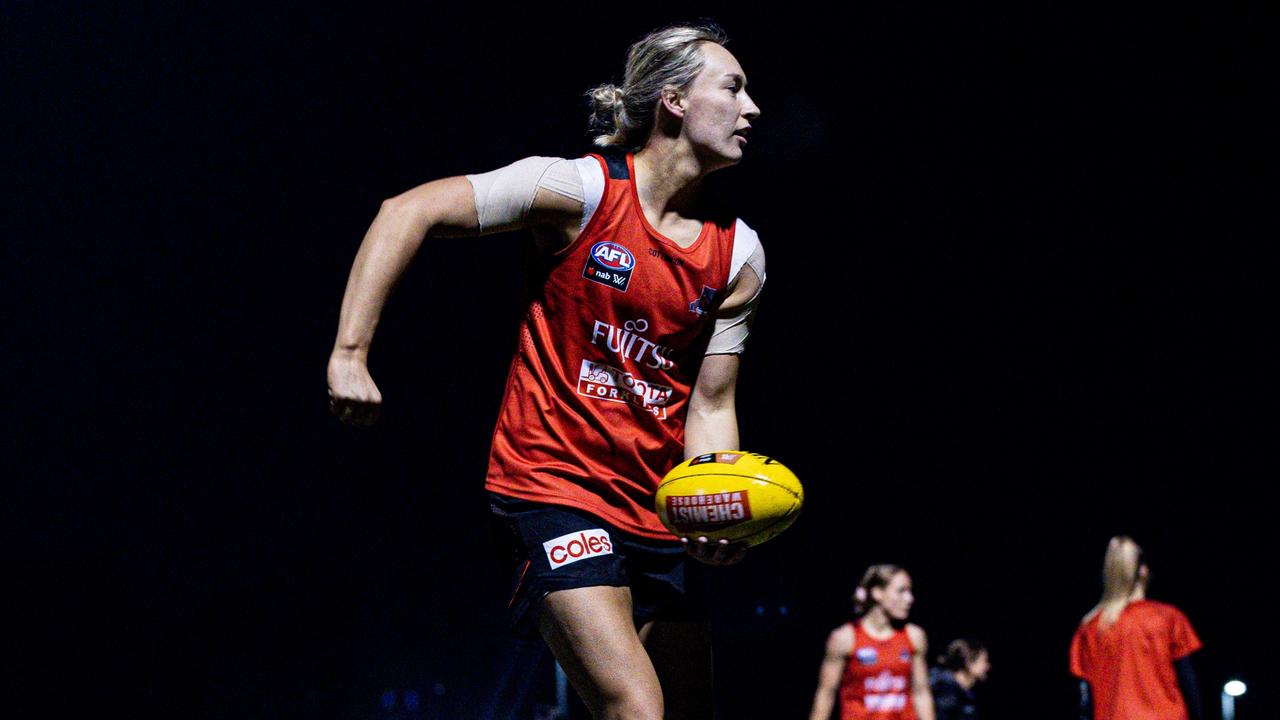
<point>594,410</point>
<point>877,678</point>
<point>1129,665</point>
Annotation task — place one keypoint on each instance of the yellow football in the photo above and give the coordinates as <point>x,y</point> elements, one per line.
<point>732,494</point>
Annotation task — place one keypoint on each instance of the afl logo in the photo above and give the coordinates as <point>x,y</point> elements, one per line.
<point>613,256</point>
<point>610,264</point>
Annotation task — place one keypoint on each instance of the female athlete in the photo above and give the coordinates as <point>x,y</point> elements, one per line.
<point>964,664</point>
<point>626,364</point>
<point>1131,654</point>
<point>876,661</point>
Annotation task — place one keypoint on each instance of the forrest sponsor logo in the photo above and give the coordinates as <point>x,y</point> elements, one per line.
<point>608,383</point>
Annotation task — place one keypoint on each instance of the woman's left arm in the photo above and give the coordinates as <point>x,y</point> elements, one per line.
<point>921,698</point>
<point>712,422</point>
<point>711,425</point>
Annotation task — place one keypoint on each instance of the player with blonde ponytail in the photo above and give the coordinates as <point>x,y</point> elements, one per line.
<point>1131,654</point>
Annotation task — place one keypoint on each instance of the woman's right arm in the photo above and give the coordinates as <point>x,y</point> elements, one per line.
<point>441,208</point>
<point>839,645</point>
<point>444,207</point>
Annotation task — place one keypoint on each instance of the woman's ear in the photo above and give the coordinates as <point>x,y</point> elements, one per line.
<point>673,101</point>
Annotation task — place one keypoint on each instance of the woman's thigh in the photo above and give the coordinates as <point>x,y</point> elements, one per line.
<point>591,632</point>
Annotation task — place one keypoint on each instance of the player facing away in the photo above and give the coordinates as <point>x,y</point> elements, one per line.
<point>1133,655</point>
<point>626,364</point>
<point>963,665</point>
<point>875,663</point>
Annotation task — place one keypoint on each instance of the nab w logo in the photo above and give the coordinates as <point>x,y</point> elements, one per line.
<point>613,256</point>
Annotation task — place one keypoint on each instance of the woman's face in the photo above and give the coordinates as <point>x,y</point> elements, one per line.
<point>896,597</point>
<point>980,666</point>
<point>717,109</point>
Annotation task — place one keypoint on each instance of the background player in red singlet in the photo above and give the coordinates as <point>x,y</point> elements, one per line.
<point>1132,654</point>
<point>876,662</point>
<point>627,363</point>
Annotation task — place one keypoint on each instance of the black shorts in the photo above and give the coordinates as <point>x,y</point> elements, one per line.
<point>550,547</point>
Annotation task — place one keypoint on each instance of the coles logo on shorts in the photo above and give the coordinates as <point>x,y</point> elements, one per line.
<point>577,546</point>
<point>610,264</point>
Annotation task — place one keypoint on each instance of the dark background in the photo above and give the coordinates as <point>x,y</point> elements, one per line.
<point>1018,302</point>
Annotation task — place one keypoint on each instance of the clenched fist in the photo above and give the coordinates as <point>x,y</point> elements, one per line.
<point>353,396</point>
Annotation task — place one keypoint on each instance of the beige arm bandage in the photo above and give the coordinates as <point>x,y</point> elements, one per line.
<point>504,196</point>
<point>732,328</point>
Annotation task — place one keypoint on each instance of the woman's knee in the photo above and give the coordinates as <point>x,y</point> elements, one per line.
<point>633,703</point>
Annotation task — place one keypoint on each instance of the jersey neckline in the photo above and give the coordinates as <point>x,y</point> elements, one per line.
<point>635,196</point>
<point>859,629</point>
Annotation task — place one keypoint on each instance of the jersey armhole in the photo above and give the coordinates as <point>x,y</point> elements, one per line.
<point>746,253</point>
<point>589,189</point>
